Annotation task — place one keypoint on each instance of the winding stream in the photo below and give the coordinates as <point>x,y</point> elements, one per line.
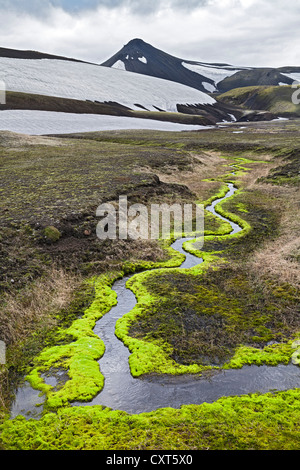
<point>123,392</point>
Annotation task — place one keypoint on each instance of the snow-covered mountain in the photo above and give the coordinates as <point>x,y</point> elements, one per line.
<point>83,81</point>
<point>140,79</point>
<point>139,57</point>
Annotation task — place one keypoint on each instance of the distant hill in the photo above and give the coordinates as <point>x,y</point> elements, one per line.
<point>275,99</point>
<point>140,81</point>
<point>140,57</point>
<point>74,86</point>
<point>31,55</point>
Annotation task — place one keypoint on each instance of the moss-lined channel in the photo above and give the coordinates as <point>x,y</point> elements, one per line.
<point>124,391</point>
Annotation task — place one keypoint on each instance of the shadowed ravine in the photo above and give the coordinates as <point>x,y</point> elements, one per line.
<point>123,392</point>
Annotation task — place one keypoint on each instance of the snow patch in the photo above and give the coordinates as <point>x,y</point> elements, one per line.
<point>119,65</point>
<point>82,81</point>
<point>216,74</point>
<point>280,119</point>
<point>209,87</point>
<point>49,122</point>
<point>293,76</point>
<point>233,118</point>
<point>143,59</point>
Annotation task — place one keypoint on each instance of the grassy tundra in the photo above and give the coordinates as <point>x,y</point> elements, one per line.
<point>242,307</point>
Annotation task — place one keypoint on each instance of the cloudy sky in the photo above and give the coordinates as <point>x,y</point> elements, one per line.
<point>240,32</point>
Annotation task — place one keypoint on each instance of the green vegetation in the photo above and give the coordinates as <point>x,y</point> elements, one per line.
<point>202,325</point>
<point>256,422</point>
<point>231,310</point>
<point>78,356</point>
<point>276,99</point>
<point>52,234</point>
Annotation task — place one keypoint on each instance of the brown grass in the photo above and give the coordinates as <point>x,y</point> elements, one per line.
<point>280,258</point>
<point>277,259</point>
<point>36,304</point>
<point>13,140</point>
<point>32,309</point>
<point>205,165</point>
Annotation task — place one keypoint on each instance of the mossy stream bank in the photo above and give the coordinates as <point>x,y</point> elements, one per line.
<point>252,421</point>
<point>125,358</point>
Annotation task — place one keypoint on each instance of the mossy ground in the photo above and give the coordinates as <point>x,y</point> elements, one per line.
<point>207,319</point>
<point>62,183</point>
<point>257,422</point>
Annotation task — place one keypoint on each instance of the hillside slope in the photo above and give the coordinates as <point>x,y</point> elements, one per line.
<point>90,88</point>
<point>37,81</point>
<point>275,99</point>
<point>26,54</point>
<point>83,81</point>
<point>139,57</point>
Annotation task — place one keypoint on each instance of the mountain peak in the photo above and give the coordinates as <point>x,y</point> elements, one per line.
<point>136,42</point>
<point>140,57</point>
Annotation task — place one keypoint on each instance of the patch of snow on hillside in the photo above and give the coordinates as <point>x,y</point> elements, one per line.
<point>209,87</point>
<point>143,59</point>
<point>119,65</point>
<point>293,76</point>
<point>82,81</point>
<point>217,74</point>
<point>48,122</point>
<point>232,116</point>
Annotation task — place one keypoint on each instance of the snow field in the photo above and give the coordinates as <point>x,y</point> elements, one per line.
<point>92,82</point>
<point>48,122</point>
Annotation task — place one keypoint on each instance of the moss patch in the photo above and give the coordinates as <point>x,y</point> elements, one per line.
<point>52,234</point>
<point>261,322</point>
<point>206,323</point>
<point>78,357</point>
<point>257,422</point>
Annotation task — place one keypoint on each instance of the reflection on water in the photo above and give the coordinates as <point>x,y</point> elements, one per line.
<point>124,393</point>
<point>28,402</point>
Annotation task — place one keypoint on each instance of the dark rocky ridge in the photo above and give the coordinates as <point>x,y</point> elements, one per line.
<point>162,65</point>
<point>159,64</point>
<point>19,54</point>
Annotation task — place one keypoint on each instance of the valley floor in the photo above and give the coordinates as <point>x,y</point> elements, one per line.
<point>240,308</point>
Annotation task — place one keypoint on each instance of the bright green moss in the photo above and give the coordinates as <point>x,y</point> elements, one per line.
<point>241,207</point>
<point>257,422</point>
<point>149,354</point>
<point>270,355</point>
<point>79,357</point>
<point>183,312</point>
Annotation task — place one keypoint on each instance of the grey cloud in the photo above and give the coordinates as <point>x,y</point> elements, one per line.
<point>143,7</point>
<point>33,7</point>
<point>260,33</point>
<point>190,4</point>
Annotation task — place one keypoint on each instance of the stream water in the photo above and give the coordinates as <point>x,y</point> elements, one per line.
<point>123,392</point>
